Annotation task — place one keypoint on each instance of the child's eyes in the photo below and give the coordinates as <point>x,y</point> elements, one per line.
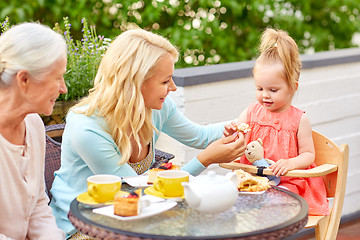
<point>271,89</point>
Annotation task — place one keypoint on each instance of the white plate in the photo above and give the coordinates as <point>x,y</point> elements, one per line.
<point>138,181</point>
<point>156,206</point>
<point>251,193</point>
<point>141,181</point>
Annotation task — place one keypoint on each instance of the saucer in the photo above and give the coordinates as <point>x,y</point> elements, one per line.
<point>141,181</point>
<point>152,191</point>
<point>85,198</point>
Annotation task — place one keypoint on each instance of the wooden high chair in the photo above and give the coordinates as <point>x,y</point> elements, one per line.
<point>332,165</point>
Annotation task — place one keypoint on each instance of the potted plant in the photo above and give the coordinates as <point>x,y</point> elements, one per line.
<point>84,57</point>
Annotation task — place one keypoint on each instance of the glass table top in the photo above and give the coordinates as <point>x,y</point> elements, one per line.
<point>252,213</point>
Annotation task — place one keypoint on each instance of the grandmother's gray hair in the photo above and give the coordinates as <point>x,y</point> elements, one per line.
<point>29,46</point>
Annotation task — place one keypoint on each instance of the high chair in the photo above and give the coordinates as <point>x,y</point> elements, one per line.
<point>332,165</point>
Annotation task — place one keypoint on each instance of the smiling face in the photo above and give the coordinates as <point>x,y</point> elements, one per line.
<point>272,90</point>
<point>157,87</point>
<point>43,91</point>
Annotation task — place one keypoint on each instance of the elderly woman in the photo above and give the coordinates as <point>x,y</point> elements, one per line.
<point>32,64</point>
<point>114,129</point>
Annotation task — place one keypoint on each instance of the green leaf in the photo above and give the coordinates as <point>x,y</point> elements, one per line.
<point>20,13</point>
<point>6,11</point>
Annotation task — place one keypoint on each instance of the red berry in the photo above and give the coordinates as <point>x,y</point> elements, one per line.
<point>132,195</point>
<point>168,165</point>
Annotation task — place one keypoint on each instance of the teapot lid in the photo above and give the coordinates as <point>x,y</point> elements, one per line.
<point>212,178</point>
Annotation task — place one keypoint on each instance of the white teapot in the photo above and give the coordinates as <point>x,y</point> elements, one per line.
<point>211,193</point>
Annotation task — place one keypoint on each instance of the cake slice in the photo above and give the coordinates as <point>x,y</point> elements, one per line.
<point>248,183</point>
<point>163,167</point>
<point>127,204</point>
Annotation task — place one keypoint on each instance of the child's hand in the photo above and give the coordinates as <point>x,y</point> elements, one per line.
<point>281,167</point>
<point>230,129</point>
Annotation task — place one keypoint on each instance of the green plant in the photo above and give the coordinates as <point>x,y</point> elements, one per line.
<point>84,57</point>
<point>5,25</point>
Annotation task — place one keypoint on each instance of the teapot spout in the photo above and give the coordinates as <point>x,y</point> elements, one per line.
<point>191,197</point>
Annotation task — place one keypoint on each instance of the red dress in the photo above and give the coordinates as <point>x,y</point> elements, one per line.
<point>278,132</point>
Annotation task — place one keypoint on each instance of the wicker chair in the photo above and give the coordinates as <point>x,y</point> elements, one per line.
<point>53,153</point>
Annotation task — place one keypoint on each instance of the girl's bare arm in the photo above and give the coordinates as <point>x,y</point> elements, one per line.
<point>306,150</point>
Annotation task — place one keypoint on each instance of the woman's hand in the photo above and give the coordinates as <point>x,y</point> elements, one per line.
<point>223,150</point>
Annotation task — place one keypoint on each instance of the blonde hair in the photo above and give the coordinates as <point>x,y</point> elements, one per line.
<point>116,95</point>
<point>278,46</point>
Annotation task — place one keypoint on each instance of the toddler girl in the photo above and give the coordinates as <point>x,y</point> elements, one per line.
<point>285,130</point>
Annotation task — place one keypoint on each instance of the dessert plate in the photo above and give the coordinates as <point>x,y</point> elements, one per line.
<point>152,191</point>
<point>138,181</point>
<point>153,208</point>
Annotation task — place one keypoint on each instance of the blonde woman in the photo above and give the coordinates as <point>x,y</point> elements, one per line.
<point>114,129</point>
<point>32,65</point>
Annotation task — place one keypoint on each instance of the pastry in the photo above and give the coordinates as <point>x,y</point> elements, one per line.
<point>127,204</point>
<point>248,183</point>
<point>154,171</point>
<point>243,127</point>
